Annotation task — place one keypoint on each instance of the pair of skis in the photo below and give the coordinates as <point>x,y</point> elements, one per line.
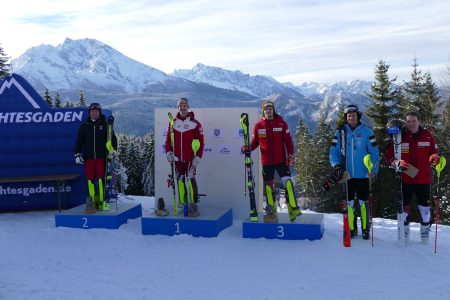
<point>111,164</point>
<point>250,181</point>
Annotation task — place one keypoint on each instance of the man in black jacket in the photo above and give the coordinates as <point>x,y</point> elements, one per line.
<point>91,149</point>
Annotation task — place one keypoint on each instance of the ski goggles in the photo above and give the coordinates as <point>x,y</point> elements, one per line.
<point>350,108</point>
<point>95,106</point>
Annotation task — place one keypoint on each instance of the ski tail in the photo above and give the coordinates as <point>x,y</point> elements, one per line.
<point>346,236</point>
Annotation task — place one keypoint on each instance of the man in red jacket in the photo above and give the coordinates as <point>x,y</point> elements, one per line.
<point>418,149</point>
<point>272,135</point>
<point>185,130</point>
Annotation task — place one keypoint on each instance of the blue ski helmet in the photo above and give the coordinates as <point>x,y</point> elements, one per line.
<point>394,126</point>
<point>352,108</point>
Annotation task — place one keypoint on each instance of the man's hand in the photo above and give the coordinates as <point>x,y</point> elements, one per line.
<point>290,160</point>
<point>171,157</point>
<point>434,159</point>
<point>79,159</point>
<point>400,164</point>
<point>245,150</point>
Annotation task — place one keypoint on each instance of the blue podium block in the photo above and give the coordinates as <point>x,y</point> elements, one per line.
<point>112,219</point>
<point>305,227</point>
<point>209,224</point>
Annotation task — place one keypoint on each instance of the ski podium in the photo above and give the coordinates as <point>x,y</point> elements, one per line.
<point>205,207</point>
<point>308,226</point>
<point>87,216</point>
<point>274,225</point>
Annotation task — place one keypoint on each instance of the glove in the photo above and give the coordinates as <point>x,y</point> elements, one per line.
<point>290,160</point>
<point>195,162</point>
<point>401,164</point>
<point>171,157</point>
<point>434,159</point>
<point>338,172</point>
<point>79,159</point>
<point>245,150</point>
<point>109,147</point>
<point>113,155</point>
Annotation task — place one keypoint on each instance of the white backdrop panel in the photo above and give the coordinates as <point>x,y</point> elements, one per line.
<point>221,172</point>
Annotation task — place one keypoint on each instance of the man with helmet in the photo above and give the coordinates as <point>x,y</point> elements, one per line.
<point>185,129</point>
<point>91,149</point>
<point>418,150</point>
<point>359,141</point>
<point>271,134</point>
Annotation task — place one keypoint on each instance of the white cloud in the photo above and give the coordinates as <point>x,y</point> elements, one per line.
<point>333,40</point>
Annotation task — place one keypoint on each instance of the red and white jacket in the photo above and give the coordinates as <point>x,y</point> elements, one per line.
<point>274,139</point>
<point>185,130</point>
<point>416,150</point>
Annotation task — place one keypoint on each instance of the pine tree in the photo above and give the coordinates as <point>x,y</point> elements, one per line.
<point>4,66</point>
<point>443,141</point>
<point>81,102</point>
<point>304,178</point>
<point>431,104</point>
<point>48,98</point>
<point>148,178</point>
<point>68,104</point>
<point>122,142</point>
<point>321,168</point>
<point>340,120</point>
<point>385,102</point>
<point>413,90</point>
<point>135,167</point>
<point>58,101</point>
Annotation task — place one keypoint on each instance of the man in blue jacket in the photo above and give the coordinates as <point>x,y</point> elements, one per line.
<point>360,141</point>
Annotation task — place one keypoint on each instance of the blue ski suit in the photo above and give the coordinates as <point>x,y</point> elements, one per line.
<point>360,141</point>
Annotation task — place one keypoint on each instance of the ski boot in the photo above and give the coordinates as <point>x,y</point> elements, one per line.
<point>161,210</point>
<point>354,232</point>
<point>90,208</point>
<point>291,201</point>
<point>425,232</point>
<point>103,206</point>
<point>193,210</point>
<point>294,212</point>
<point>365,220</point>
<point>407,230</point>
<point>352,221</point>
<point>366,233</point>
<point>253,215</point>
<point>271,215</point>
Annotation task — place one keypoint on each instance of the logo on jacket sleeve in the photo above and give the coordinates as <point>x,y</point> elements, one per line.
<point>262,133</point>
<point>405,148</point>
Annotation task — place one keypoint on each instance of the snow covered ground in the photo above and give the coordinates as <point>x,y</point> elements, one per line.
<point>40,261</point>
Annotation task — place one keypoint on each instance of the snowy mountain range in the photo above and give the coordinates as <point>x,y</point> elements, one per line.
<point>132,89</point>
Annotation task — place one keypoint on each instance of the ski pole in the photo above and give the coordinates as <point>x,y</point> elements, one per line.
<point>439,167</point>
<point>369,165</point>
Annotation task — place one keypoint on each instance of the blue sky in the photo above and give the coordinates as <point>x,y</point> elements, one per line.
<point>293,40</point>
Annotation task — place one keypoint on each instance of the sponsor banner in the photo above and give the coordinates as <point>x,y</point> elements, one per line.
<point>28,191</point>
<point>41,117</point>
